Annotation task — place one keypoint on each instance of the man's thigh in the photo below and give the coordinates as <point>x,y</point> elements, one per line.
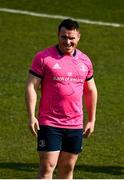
<point>65,157</point>
<point>49,158</point>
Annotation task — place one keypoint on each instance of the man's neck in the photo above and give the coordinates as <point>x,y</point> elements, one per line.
<point>61,52</point>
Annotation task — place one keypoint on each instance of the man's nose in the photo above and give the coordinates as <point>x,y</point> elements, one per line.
<point>68,41</point>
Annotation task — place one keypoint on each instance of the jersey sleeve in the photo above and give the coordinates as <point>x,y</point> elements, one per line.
<point>37,66</point>
<point>90,69</point>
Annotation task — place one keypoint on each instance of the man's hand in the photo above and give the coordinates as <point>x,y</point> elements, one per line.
<point>34,126</point>
<point>88,130</point>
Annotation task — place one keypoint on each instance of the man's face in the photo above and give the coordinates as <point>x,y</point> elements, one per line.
<point>68,40</point>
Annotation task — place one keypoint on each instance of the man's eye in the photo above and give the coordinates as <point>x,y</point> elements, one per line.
<point>63,37</point>
<point>70,38</point>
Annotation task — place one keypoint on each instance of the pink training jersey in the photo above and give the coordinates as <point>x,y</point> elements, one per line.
<point>62,81</point>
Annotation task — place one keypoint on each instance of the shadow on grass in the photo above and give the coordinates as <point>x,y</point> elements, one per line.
<point>113,170</point>
<point>29,167</point>
<point>19,166</point>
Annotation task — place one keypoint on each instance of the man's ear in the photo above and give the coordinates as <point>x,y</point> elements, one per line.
<point>79,35</point>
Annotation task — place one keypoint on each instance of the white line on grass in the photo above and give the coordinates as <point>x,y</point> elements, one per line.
<point>60,17</point>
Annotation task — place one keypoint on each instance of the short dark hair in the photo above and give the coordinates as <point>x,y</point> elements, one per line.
<point>69,24</point>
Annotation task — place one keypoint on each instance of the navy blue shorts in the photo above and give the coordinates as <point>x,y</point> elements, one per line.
<point>59,139</point>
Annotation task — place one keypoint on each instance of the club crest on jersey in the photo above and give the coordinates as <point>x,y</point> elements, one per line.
<point>82,67</point>
<point>56,66</point>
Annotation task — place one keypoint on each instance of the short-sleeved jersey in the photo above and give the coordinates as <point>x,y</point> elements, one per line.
<point>62,82</point>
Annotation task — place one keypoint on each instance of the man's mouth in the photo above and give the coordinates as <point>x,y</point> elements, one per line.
<point>68,46</point>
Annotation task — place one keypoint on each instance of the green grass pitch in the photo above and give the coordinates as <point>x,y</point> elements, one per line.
<point>21,36</point>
